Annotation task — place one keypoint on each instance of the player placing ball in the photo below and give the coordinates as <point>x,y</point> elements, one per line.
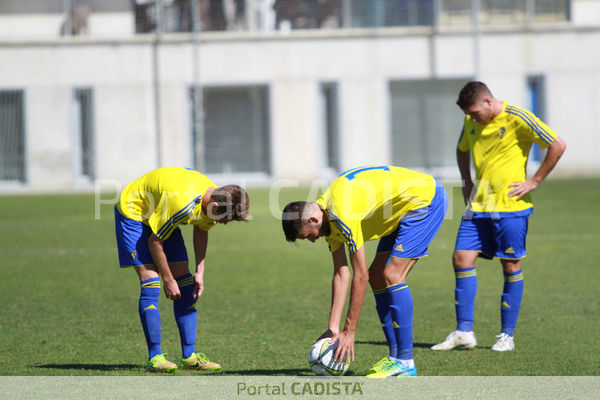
<point>401,207</point>
<point>147,219</point>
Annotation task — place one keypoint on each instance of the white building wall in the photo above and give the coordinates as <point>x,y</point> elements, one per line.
<point>363,63</point>
<point>585,12</point>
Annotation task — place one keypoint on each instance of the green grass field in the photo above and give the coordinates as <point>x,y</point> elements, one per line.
<point>67,308</point>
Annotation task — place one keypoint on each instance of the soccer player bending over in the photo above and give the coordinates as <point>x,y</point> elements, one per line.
<point>498,136</point>
<point>147,219</point>
<point>402,208</point>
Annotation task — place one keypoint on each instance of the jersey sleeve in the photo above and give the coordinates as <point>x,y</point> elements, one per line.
<point>352,234</point>
<point>463,142</point>
<point>169,213</point>
<point>539,132</point>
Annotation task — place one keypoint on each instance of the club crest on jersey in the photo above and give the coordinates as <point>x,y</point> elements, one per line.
<point>472,131</point>
<point>502,130</point>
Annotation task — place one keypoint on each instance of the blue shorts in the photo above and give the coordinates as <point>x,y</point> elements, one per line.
<point>132,243</point>
<point>494,237</point>
<point>417,229</point>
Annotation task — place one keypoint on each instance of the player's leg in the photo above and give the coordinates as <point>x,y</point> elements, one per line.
<point>132,245</point>
<point>148,307</point>
<point>413,237</point>
<point>401,307</point>
<point>510,304</point>
<point>184,308</point>
<point>382,305</point>
<point>465,291</point>
<point>401,311</point>
<point>511,236</point>
<point>472,240</point>
<point>150,318</point>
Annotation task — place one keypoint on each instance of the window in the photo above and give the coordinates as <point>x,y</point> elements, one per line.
<point>12,136</point>
<point>235,134</point>
<point>378,13</point>
<point>425,122</point>
<point>509,12</point>
<point>552,10</point>
<point>84,133</point>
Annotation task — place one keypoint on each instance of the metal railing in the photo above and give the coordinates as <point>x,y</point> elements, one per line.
<point>52,18</point>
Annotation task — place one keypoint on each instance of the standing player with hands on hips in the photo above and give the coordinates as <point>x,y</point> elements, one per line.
<point>147,219</point>
<point>402,208</point>
<point>498,137</point>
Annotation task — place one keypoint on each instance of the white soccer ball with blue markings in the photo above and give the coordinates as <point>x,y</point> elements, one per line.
<point>320,359</point>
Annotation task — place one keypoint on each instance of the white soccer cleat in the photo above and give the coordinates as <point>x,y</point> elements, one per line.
<point>505,343</point>
<point>457,340</point>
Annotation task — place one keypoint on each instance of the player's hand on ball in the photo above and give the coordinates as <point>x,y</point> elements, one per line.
<point>328,334</point>
<point>320,359</point>
<point>345,348</point>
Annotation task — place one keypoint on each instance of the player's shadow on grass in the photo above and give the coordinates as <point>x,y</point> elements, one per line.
<point>382,343</point>
<point>298,372</point>
<point>90,367</point>
<point>420,345</point>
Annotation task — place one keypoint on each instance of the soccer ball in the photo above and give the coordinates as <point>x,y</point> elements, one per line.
<point>320,359</point>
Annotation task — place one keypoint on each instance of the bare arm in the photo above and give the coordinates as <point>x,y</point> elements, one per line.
<point>160,260</point>
<point>339,289</point>
<point>200,246</point>
<point>555,151</point>
<point>360,279</point>
<point>463,159</point>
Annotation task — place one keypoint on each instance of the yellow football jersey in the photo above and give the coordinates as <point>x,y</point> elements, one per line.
<point>165,198</point>
<point>499,151</point>
<point>368,203</point>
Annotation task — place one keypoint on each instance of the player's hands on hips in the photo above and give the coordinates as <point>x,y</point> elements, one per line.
<point>198,286</point>
<point>520,189</point>
<point>172,290</point>
<point>345,349</point>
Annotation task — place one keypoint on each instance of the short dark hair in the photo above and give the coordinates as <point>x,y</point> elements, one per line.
<point>233,202</point>
<point>471,93</point>
<point>291,219</point>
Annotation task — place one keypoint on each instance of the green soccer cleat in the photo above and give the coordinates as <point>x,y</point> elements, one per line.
<point>379,365</point>
<point>200,362</point>
<point>159,363</point>
<point>394,368</point>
